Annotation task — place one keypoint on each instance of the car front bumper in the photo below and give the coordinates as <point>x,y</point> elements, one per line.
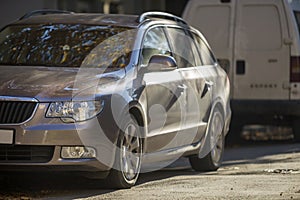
<point>39,132</point>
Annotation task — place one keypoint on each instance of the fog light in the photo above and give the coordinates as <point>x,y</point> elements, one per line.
<point>78,152</point>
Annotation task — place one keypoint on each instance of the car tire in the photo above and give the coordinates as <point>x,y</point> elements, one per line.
<point>127,165</point>
<point>213,158</point>
<point>296,130</point>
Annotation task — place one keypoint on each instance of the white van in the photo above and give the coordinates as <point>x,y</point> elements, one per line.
<point>257,43</point>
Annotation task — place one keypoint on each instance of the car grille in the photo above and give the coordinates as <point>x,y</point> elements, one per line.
<point>25,154</point>
<point>12,112</point>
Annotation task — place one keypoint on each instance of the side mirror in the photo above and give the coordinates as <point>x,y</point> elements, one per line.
<point>161,63</point>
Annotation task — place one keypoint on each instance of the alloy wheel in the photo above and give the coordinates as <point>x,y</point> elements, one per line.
<point>131,150</point>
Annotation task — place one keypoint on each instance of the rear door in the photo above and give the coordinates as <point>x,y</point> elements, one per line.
<point>261,58</point>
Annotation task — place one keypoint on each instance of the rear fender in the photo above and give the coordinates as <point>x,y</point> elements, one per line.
<point>205,147</point>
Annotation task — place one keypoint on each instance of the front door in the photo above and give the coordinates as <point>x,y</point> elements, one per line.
<point>165,93</point>
<point>190,66</point>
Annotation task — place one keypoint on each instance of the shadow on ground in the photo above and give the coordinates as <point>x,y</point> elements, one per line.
<point>70,186</point>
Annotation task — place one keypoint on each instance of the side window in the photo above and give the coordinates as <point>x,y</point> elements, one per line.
<point>194,48</point>
<point>183,47</point>
<point>155,42</point>
<point>206,55</point>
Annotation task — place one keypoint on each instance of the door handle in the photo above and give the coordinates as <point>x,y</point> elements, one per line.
<point>176,95</point>
<point>182,87</point>
<point>209,83</point>
<point>207,87</point>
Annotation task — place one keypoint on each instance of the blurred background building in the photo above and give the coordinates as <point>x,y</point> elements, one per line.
<point>13,9</point>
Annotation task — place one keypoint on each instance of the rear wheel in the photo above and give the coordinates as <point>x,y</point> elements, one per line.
<point>128,156</point>
<point>213,146</point>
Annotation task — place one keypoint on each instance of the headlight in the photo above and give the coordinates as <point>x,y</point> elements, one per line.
<point>77,111</point>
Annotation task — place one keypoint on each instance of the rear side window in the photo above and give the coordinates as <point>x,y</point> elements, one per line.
<point>206,55</point>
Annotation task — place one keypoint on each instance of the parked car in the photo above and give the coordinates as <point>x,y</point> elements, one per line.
<point>258,44</point>
<point>104,94</point>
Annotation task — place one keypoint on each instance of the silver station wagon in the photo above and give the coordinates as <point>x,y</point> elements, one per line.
<point>109,95</point>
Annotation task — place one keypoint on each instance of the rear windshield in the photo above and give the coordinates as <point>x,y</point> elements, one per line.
<point>66,45</point>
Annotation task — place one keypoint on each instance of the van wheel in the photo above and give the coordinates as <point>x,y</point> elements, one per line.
<point>214,145</point>
<point>127,165</point>
<point>296,130</point>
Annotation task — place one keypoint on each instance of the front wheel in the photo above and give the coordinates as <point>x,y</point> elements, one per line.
<point>127,164</point>
<point>213,146</point>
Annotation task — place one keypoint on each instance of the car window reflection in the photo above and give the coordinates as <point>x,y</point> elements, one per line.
<point>60,44</point>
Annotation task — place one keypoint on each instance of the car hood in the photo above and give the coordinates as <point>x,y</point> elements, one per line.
<point>53,83</point>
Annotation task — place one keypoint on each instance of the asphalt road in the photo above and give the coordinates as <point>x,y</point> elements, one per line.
<point>260,171</point>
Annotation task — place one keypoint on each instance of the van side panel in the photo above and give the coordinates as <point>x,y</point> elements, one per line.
<point>261,58</point>
<point>249,38</point>
<point>264,54</point>
<point>215,20</point>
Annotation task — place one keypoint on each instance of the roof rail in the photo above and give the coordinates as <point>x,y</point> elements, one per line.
<point>164,15</point>
<point>44,12</point>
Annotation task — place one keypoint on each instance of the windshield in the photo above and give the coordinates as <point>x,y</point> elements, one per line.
<point>63,45</point>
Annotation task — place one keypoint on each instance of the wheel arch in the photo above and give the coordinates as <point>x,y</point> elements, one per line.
<point>136,109</point>
<point>218,104</point>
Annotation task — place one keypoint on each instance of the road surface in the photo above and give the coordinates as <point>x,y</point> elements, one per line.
<point>261,171</point>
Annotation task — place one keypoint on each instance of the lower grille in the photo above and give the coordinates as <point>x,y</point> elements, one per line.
<point>14,112</point>
<point>25,154</point>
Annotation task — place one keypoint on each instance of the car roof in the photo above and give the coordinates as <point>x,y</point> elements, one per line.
<point>117,20</point>
<point>83,18</point>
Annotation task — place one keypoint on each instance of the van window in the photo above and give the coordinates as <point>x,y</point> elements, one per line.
<point>183,47</point>
<point>260,28</point>
<point>206,55</point>
<point>155,42</point>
